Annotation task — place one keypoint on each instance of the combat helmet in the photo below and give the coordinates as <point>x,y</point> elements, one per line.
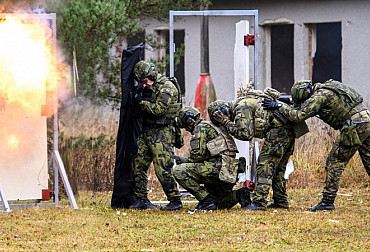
<point>144,69</point>
<point>187,118</point>
<point>301,91</point>
<point>223,106</point>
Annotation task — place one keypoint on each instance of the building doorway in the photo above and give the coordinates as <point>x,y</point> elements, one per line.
<point>327,60</point>
<point>282,57</point>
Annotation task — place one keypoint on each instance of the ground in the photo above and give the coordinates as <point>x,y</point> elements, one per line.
<point>95,226</point>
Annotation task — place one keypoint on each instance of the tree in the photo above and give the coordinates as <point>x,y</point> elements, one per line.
<point>92,28</point>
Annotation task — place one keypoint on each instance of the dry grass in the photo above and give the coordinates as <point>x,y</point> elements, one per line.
<point>96,227</point>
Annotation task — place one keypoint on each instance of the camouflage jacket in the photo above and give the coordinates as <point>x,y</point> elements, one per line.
<point>250,119</point>
<point>160,103</point>
<point>333,107</point>
<point>202,134</point>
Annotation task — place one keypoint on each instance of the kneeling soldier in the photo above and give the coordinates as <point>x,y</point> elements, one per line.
<point>211,162</point>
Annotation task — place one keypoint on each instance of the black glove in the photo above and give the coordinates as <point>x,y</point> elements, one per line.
<point>284,99</point>
<point>138,97</point>
<point>270,104</point>
<point>138,93</point>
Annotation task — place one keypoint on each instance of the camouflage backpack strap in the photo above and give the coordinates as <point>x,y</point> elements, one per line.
<point>177,85</point>
<point>173,107</point>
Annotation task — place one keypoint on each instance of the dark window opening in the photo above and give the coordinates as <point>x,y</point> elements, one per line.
<point>282,57</point>
<point>327,62</point>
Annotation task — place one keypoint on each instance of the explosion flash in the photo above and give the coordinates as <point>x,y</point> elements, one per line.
<point>28,66</point>
<point>13,142</point>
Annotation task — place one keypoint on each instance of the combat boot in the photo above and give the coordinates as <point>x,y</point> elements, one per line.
<point>142,203</point>
<point>278,205</point>
<point>205,204</point>
<point>173,205</point>
<point>243,196</point>
<point>323,205</point>
<point>252,206</point>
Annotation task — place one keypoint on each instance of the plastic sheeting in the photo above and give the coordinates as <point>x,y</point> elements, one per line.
<point>128,131</point>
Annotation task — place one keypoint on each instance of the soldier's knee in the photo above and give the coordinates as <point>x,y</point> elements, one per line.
<point>179,172</point>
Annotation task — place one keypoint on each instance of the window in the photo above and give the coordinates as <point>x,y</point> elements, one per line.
<point>326,52</point>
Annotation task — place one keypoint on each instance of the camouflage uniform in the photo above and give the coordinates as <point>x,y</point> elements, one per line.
<point>203,167</point>
<point>250,120</point>
<point>341,107</point>
<point>158,109</point>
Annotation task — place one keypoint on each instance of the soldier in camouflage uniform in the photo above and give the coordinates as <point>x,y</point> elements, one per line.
<point>341,107</point>
<point>251,120</point>
<point>211,162</point>
<point>158,105</point>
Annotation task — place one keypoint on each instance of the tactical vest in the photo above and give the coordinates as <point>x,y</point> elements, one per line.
<point>224,143</point>
<point>173,107</point>
<point>347,103</point>
<point>225,146</point>
<point>263,119</point>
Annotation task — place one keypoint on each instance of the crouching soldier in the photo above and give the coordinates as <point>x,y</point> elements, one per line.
<point>211,162</point>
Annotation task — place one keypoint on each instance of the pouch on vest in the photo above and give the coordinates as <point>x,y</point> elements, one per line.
<point>260,126</point>
<point>300,128</point>
<point>349,137</point>
<point>216,146</point>
<point>229,169</point>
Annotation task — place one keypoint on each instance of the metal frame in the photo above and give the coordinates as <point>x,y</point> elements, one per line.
<point>216,13</point>
<point>57,161</point>
<point>221,13</point>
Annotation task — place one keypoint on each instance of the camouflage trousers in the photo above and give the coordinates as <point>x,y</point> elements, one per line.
<point>155,144</point>
<point>339,157</point>
<point>274,156</point>
<point>191,175</point>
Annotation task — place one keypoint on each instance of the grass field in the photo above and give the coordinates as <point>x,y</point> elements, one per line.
<point>97,227</point>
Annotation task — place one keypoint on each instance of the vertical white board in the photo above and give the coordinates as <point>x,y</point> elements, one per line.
<point>241,75</point>
<point>23,154</point>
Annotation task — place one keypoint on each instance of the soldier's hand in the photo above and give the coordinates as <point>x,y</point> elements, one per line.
<point>220,117</point>
<point>138,97</point>
<point>270,104</point>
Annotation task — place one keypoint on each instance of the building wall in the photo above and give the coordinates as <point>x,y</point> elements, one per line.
<point>354,16</point>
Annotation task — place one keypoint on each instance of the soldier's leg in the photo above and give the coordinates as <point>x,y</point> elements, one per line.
<point>271,154</point>
<point>223,194</point>
<point>337,160</point>
<point>364,150</point>
<point>141,163</point>
<point>278,182</point>
<point>162,149</point>
<point>188,176</point>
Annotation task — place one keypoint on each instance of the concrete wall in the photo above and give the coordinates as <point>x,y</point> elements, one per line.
<point>354,16</point>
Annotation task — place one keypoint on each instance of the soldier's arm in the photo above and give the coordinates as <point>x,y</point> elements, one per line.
<point>167,94</point>
<point>309,108</point>
<point>243,126</point>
